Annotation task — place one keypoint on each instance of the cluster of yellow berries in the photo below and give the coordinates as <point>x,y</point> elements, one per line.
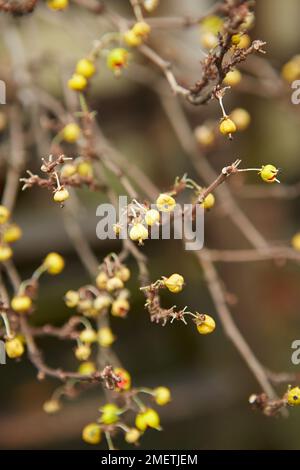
<point>57,4</point>
<point>112,414</point>
<point>212,26</point>
<point>81,167</point>
<point>110,294</point>
<point>117,58</point>
<point>139,230</point>
<point>9,233</point>
<point>21,303</point>
<point>104,337</point>
<point>85,69</point>
<point>205,324</point>
<point>137,34</point>
<point>206,135</point>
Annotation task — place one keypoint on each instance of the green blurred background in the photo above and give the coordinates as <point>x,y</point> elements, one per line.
<point>209,382</point>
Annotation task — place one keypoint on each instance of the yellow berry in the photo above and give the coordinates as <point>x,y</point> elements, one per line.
<point>204,135</point>
<point>141,29</point>
<point>85,304</point>
<point>209,201</point>
<point>209,40</point>
<point>110,413</point>
<point>150,5</point>
<point>291,70</point>
<point>120,308</point>
<point>105,337</point>
<point>5,252</point>
<point>91,433</point>
<point>140,421</point>
<point>236,39</point>
<point>68,170</point>
<point>114,283</point>
<point>101,302</point>
<point>12,233</point>
<point>54,263</point>
<point>85,169</point>
<point>88,336</point>
<point>83,352</point>
<point>21,303</point>
<point>117,59</point>
<point>51,406</point>
<point>268,173</point>
<point>174,283</point>
<point>227,126</point>
<point>71,132</point>
<point>205,325</point>
<point>14,348</point>
<point>117,229</point>
<point>152,418</point>
<point>101,280</point>
<point>293,396</point>
<point>3,121</point>
<point>61,195</point>
<point>123,273</point>
<point>165,203</point>
<point>162,395</point>
<point>248,22</point>
<point>86,68</point>
<point>212,24</point>
<point>91,313</point>
<point>87,368</point>
<point>241,118</point>
<point>132,39</point>
<point>57,4</point>
<point>125,383</point>
<point>296,241</point>
<point>132,435</point>
<point>245,41</point>
<point>71,298</point>
<point>232,78</point>
<point>152,217</point>
<point>4,214</point>
<point>138,233</point>
<point>77,82</point>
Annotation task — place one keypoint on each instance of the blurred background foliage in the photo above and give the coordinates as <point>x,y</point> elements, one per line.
<point>209,382</point>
